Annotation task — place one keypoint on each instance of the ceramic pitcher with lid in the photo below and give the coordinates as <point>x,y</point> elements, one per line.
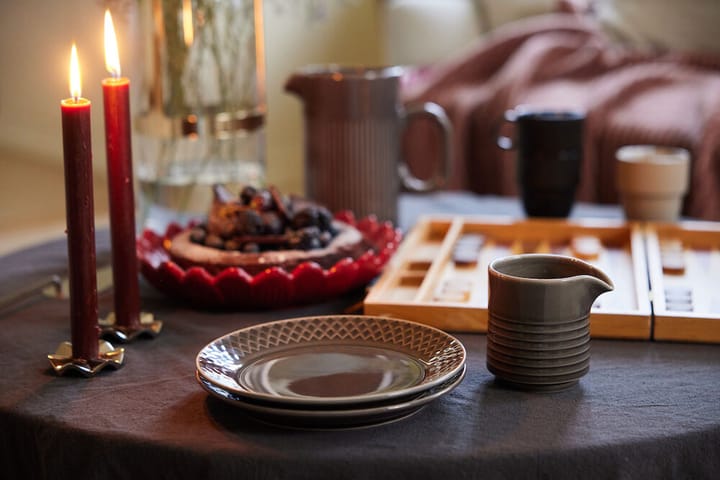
<point>354,121</point>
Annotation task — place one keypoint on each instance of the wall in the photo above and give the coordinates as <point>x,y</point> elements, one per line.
<point>35,39</point>
<point>348,35</point>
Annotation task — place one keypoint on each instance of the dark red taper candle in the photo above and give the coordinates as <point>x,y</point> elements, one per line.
<point>122,200</point>
<point>77,153</point>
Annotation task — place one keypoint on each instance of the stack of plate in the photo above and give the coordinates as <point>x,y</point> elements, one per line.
<point>332,371</point>
<point>538,356</point>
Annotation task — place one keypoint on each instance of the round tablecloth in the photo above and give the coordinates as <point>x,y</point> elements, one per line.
<point>645,409</point>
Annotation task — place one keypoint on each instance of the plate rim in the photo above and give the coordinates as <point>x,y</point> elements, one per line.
<point>403,408</point>
<point>240,390</point>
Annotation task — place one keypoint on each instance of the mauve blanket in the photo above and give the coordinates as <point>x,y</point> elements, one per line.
<point>566,61</point>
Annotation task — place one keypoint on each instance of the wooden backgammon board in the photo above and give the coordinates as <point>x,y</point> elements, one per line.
<point>439,274</point>
<point>684,268</point>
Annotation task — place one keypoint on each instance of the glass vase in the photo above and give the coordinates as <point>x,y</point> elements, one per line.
<point>201,120</point>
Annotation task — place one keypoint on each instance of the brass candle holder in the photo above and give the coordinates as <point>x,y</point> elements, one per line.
<point>147,327</point>
<point>62,360</point>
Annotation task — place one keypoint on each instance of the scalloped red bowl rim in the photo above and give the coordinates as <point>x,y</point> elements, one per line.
<point>234,288</point>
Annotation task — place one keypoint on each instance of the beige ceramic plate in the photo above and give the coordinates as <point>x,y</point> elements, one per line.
<point>331,360</point>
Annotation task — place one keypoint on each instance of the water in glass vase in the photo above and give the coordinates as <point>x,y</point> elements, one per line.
<point>175,176</point>
<point>201,108</point>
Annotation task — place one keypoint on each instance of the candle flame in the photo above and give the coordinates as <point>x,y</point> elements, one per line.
<point>112,58</point>
<point>187,22</point>
<point>75,87</point>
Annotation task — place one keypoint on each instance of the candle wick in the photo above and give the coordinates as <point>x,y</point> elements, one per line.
<point>75,99</point>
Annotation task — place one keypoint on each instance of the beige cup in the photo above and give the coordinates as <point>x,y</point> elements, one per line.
<point>652,181</point>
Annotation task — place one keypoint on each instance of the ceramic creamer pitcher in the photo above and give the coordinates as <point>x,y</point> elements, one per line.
<point>354,122</point>
<point>539,319</point>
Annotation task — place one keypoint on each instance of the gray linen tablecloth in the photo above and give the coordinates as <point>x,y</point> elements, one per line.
<point>645,410</point>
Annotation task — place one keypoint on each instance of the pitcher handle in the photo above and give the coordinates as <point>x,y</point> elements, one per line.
<point>436,113</point>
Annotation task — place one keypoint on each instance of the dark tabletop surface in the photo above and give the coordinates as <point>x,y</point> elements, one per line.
<point>645,409</point>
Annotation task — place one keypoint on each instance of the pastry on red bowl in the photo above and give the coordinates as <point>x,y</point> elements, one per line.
<point>264,250</point>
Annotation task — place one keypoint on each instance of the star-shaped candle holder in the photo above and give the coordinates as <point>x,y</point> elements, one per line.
<point>62,360</point>
<point>147,327</point>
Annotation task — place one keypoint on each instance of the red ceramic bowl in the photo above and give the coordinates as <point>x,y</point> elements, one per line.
<point>234,288</point>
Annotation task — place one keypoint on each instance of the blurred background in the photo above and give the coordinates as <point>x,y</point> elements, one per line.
<point>35,40</point>
<point>36,35</point>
